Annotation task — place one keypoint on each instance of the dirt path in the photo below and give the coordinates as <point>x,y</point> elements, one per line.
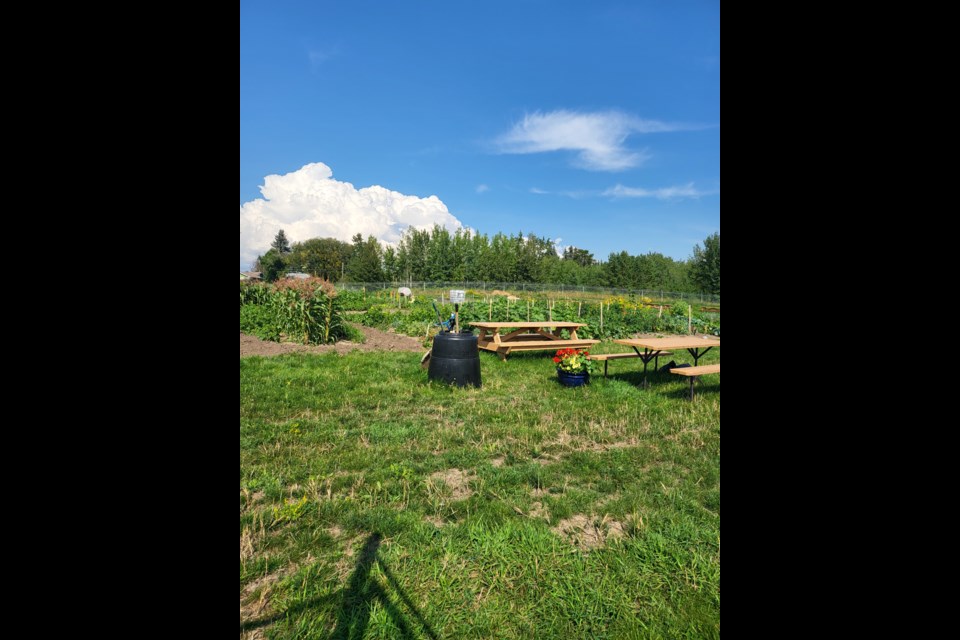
<point>376,341</point>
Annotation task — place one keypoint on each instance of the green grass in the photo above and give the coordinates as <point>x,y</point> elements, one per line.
<point>349,530</point>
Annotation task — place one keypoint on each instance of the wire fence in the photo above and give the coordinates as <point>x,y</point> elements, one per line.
<point>564,290</point>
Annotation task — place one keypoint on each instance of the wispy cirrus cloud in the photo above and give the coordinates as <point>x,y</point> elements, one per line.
<point>576,195</point>
<point>663,193</point>
<point>318,56</point>
<point>482,188</point>
<point>620,191</point>
<point>598,138</point>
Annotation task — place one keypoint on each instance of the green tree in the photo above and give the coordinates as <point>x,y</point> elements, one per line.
<point>366,264</point>
<point>391,269</point>
<point>412,254</point>
<point>705,266</point>
<point>477,258</point>
<point>324,257</point>
<point>280,243</point>
<point>271,265</point>
<point>440,257</point>
<point>581,256</point>
<point>500,262</point>
<point>535,257</point>
<point>619,269</point>
<point>462,256</point>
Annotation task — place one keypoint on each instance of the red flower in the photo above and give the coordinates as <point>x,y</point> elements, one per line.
<point>582,365</point>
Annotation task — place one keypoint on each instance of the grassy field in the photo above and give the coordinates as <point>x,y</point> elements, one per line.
<point>375,504</point>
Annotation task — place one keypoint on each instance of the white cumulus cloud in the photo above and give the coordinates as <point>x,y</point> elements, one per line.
<point>598,138</point>
<point>559,248</point>
<point>309,203</point>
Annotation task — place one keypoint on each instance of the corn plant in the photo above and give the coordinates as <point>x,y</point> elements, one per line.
<point>303,310</point>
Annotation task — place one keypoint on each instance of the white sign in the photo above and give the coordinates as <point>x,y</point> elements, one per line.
<point>457,296</point>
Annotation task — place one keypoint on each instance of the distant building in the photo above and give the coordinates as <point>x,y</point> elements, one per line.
<point>251,275</point>
<point>298,275</point>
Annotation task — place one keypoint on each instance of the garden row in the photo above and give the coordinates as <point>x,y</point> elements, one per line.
<point>614,318</point>
<point>361,299</point>
<point>312,312</point>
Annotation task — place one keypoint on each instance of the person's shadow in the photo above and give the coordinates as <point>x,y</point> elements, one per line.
<point>358,597</point>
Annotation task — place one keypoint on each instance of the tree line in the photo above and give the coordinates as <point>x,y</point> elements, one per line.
<point>462,256</point>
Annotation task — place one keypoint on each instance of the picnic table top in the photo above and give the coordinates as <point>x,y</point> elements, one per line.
<point>532,324</point>
<point>673,342</point>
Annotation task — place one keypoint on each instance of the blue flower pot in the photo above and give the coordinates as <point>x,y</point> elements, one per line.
<point>572,379</point>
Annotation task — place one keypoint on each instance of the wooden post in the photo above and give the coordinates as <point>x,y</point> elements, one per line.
<point>456,317</point>
<point>579,307</point>
<point>659,315</point>
<point>689,319</point>
<point>490,313</point>
<point>601,316</point>
<point>528,311</point>
<point>551,310</point>
<point>508,309</point>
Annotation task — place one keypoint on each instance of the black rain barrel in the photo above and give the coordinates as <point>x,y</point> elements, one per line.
<point>455,359</point>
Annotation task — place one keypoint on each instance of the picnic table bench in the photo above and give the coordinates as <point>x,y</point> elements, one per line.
<point>695,372</point>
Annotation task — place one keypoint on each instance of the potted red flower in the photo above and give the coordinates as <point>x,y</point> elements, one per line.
<point>573,366</point>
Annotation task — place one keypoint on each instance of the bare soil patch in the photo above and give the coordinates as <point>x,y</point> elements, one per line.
<point>537,510</point>
<point>457,481</point>
<point>585,533</point>
<point>254,606</point>
<point>376,340</point>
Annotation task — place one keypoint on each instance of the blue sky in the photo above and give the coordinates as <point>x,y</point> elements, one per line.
<point>596,123</point>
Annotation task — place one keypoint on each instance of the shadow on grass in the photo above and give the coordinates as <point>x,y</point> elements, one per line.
<point>660,381</point>
<point>357,599</point>
<point>706,388</point>
<point>636,377</point>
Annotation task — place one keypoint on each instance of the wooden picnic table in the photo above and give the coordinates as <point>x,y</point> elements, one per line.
<point>652,347</point>
<point>504,337</point>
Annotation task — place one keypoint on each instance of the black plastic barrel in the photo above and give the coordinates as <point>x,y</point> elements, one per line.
<point>455,359</point>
